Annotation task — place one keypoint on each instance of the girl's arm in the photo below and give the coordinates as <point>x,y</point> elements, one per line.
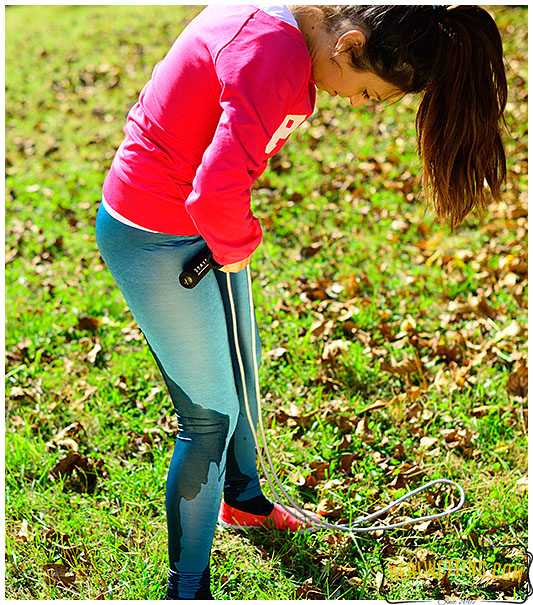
<point>259,91</point>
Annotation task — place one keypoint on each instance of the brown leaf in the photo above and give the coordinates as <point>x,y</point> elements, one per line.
<point>413,411</point>
<point>336,572</point>
<point>327,508</point>
<point>74,461</point>
<point>321,327</point>
<point>399,451</point>
<point>347,461</point>
<point>458,438</point>
<point>20,393</point>
<point>451,379</point>
<point>398,482</point>
<point>307,591</point>
<point>349,327</point>
<point>89,324</point>
<point>387,331</point>
<point>472,539</point>
<point>141,444</point>
<point>404,473</point>
<point>505,582</point>
<point>518,382</point>
<point>475,304</point>
<point>311,250</point>
<point>404,367</point>
<point>319,469</point>
<point>310,481</point>
<point>66,465</point>
<point>345,442</point>
<point>444,583</point>
<point>449,353</point>
<point>314,290</point>
<point>55,573</point>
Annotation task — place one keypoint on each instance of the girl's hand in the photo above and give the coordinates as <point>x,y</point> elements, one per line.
<point>236,267</point>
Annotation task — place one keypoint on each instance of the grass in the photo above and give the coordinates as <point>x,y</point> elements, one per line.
<point>353,283</point>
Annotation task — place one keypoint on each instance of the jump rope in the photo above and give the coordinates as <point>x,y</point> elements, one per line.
<point>195,270</point>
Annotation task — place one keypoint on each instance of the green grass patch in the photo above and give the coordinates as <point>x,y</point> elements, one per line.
<point>394,353</point>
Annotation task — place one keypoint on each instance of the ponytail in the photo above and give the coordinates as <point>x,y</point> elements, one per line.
<point>459,118</point>
<point>453,56</point>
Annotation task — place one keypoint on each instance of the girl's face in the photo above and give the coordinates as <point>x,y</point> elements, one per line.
<point>336,76</point>
<point>342,80</point>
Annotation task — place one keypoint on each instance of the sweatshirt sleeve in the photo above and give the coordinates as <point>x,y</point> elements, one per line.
<point>258,90</point>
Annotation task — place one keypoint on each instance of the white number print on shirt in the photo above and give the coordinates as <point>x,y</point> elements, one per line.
<point>288,126</point>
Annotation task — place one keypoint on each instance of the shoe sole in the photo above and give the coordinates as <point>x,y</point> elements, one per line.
<point>303,530</point>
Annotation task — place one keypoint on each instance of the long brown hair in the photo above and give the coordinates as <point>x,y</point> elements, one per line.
<point>454,57</point>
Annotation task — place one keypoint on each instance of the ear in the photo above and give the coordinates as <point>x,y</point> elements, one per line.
<point>352,39</point>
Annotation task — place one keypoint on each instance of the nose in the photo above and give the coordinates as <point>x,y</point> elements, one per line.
<point>357,101</point>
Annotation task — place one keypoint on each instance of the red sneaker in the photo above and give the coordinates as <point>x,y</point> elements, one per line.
<point>279,518</point>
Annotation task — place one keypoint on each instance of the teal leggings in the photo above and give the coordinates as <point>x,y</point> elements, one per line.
<point>190,335</point>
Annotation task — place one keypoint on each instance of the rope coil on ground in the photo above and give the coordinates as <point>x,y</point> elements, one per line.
<point>263,451</point>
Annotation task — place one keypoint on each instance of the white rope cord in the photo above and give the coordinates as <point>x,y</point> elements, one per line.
<point>301,514</point>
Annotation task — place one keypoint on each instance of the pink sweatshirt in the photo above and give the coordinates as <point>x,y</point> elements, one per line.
<point>233,87</point>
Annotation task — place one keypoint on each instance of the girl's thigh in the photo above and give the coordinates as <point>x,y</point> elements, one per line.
<point>185,329</point>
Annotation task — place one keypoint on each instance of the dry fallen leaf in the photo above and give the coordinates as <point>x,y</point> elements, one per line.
<point>365,434</point>
<point>65,438</point>
<point>277,353</point>
<point>55,573</point>
<point>89,324</point>
<point>518,382</point>
<point>93,353</point>
<point>458,438</point>
<point>404,367</point>
<point>74,461</point>
<point>307,591</point>
<point>327,508</point>
<point>334,349</point>
<point>319,469</point>
<point>23,531</point>
<point>504,582</point>
<point>424,554</point>
<point>428,442</point>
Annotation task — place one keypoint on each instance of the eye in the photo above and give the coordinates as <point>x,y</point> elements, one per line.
<point>366,95</point>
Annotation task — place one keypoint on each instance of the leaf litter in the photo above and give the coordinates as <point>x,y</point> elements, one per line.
<point>417,356</point>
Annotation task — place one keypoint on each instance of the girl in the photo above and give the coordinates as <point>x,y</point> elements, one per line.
<point>233,87</point>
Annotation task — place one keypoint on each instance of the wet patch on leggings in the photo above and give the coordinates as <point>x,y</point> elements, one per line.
<point>205,432</point>
<point>235,485</point>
